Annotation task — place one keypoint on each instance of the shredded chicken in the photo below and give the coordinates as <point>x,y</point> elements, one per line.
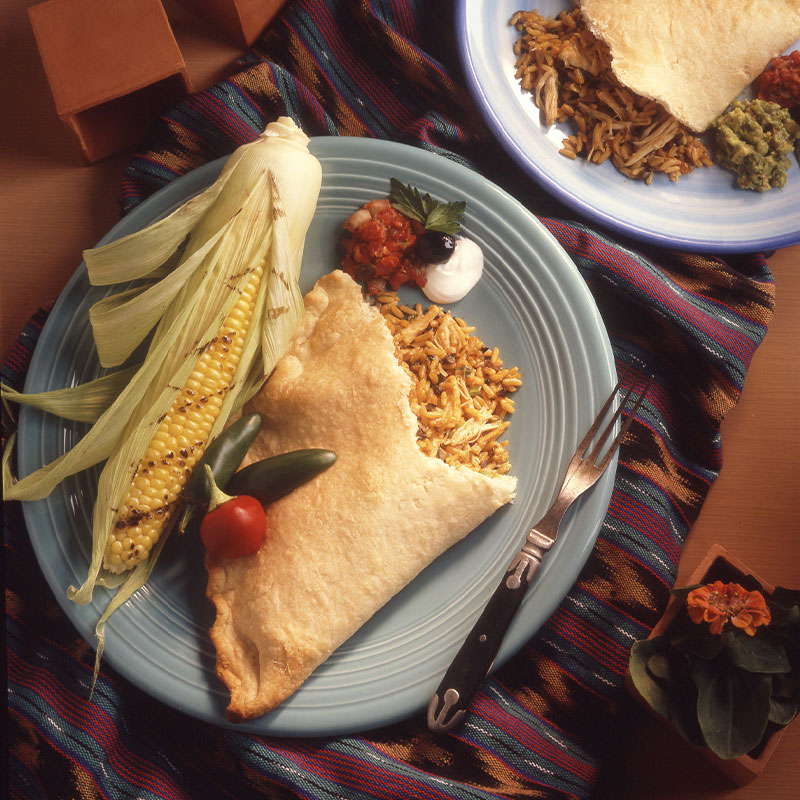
<point>568,72</point>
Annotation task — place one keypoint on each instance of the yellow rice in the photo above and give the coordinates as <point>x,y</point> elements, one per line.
<point>568,72</point>
<point>460,388</point>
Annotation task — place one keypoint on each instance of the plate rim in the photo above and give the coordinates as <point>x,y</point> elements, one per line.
<point>141,215</point>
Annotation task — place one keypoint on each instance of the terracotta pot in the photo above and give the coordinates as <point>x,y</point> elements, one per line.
<point>717,564</point>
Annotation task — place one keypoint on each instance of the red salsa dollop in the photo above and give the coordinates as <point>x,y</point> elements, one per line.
<point>780,83</point>
<point>379,248</point>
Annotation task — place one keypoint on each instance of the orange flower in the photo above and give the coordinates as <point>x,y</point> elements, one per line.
<point>718,603</point>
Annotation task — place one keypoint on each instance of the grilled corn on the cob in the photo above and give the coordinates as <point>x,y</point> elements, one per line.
<point>218,288</point>
<point>180,441</point>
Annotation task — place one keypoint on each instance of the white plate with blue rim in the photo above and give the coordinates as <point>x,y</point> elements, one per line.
<point>703,211</point>
<point>532,303</point>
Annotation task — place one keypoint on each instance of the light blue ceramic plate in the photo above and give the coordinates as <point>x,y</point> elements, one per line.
<point>702,211</point>
<point>532,303</point>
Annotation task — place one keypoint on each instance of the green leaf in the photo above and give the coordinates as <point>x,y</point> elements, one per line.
<point>785,607</point>
<point>761,653</point>
<point>781,711</point>
<point>435,216</point>
<point>658,666</point>
<point>707,647</point>
<point>654,691</point>
<point>694,639</point>
<point>445,218</point>
<point>683,714</point>
<point>749,582</point>
<point>786,598</point>
<point>732,707</point>
<point>683,592</point>
<point>406,200</point>
<point>785,700</point>
<point>787,685</point>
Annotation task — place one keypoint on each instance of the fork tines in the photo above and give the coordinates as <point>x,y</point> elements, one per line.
<point>637,401</point>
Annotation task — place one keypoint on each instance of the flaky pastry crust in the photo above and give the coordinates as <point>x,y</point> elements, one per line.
<point>340,547</point>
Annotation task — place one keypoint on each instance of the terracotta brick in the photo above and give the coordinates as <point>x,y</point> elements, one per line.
<point>112,66</point>
<point>242,21</point>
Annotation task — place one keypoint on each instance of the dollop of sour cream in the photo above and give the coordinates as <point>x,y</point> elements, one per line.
<point>450,281</point>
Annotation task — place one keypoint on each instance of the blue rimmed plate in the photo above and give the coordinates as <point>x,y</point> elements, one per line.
<point>702,211</point>
<point>531,302</point>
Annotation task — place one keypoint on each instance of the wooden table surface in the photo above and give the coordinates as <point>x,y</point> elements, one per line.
<point>55,206</point>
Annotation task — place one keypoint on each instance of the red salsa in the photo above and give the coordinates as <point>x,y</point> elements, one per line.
<point>379,248</point>
<point>780,83</point>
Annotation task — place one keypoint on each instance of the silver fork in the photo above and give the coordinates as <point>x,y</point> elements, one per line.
<point>476,656</point>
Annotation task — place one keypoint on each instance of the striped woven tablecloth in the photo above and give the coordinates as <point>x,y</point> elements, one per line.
<point>541,725</point>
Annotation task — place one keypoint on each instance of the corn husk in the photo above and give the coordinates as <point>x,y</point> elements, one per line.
<point>137,311</point>
<point>82,403</point>
<point>192,265</point>
<point>6,459</point>
<point>128,585</point>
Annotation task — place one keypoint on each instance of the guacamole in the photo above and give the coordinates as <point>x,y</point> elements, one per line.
<point>754,139</point>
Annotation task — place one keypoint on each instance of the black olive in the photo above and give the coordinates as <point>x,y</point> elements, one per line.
<point>434,247</point>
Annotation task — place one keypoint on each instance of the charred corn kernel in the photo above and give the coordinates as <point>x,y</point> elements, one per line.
<point>179,442</point>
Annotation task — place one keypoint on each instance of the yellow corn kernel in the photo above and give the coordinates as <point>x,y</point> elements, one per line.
<point>179,441</point>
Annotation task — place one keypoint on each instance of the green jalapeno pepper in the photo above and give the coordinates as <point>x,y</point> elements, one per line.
<point>274,477</point>
<point>223,456</point>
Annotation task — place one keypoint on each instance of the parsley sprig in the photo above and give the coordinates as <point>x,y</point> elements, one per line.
<point>435,216</point>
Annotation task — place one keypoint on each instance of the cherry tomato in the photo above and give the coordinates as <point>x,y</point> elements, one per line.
<point>234,528</point>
